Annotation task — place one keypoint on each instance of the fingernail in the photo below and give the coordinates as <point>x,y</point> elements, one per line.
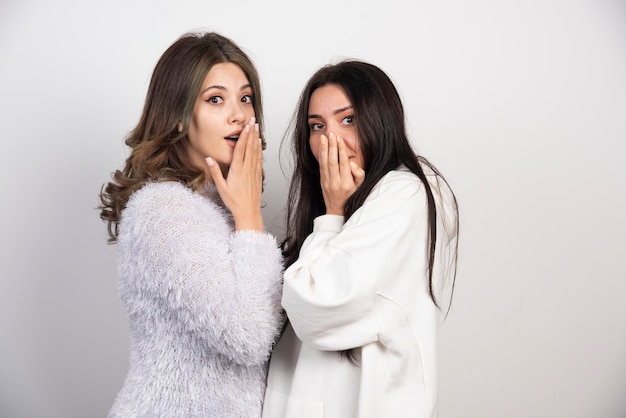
<point>256,127</point>
<point>252,120</point>
<point>247,128</point>
<point>209,161</point>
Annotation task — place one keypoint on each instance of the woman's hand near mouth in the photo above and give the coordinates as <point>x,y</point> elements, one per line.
<point>242,188</point>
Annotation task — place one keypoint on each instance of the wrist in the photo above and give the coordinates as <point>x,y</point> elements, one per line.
<point>251,222</point>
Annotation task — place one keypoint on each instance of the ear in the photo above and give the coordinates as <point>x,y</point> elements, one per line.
<point>180,127</point>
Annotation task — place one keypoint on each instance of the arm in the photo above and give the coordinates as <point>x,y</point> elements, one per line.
<point>330,293</point>
<point>223,286</point>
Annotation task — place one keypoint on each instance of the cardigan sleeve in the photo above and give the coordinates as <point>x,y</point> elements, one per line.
<point>220,285</point>
<point>330,293</point>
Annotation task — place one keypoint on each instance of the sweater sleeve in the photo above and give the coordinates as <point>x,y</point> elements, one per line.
<point>330,293</point>
<point>222,286</point>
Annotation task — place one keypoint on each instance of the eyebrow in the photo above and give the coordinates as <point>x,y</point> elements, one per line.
<point>245,86</point>
<point>335,112</point>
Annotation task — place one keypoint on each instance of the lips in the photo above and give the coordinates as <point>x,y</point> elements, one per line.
<point>233,136</point>
<point>232,139</point>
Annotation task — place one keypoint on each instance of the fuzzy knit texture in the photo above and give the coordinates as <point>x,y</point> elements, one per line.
<point>203,304</point>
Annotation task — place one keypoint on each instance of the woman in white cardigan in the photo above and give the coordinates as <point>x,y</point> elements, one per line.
<point>199,276</point>
<point>371,257</point>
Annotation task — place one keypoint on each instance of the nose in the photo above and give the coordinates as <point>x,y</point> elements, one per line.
<point>335,127</point>
<point>236,115</point>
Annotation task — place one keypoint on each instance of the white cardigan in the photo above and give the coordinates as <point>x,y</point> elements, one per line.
<point>203,305</point>
<point>364,284</point>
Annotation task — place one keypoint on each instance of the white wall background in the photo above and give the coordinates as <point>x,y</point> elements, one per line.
<point>522,104</point>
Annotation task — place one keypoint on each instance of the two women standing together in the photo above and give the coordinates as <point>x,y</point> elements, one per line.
<point>362,275</point>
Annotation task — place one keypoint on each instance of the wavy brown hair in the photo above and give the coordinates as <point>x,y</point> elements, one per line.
<point>158,150</point>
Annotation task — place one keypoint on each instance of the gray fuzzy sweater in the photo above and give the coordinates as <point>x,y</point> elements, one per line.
<point>203,305</point>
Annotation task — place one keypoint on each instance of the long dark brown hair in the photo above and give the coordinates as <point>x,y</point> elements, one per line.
<point>158,147</point>
<point>380,126</point>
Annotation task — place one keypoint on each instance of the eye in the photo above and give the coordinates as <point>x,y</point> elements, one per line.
<point>248,98</point>
<point>316,126</point>
<point>348,120</point>
<point>215,99</point>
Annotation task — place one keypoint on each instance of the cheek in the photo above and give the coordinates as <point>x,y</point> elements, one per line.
<point>351,143</point>
<point>192,133</point>
<point>314,144</point>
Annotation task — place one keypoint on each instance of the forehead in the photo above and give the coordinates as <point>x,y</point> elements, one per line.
<point>225,72</point>
<point>327,99</point>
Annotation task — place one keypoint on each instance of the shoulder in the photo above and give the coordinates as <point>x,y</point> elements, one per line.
<point>400,183</point>
<point>399,194</point>
<point>160,191</point>
<point>168,197</point>
<point>405,183</point>
<point>170,210</point>
<point>441,190</point>
<point>401,176</point>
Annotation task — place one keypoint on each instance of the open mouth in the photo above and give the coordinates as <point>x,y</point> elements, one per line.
<point>232,138</point>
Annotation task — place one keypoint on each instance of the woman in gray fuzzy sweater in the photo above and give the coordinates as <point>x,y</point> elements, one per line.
<point>199,276</point>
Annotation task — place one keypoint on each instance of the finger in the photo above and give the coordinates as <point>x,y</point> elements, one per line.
<point>323,158</point>
<point>358,174</point>
<point>248,134</point>
<point>240,146</point>
<point>344,161</point>
<point>254,159</point>
<point>259,158</point>
<point>333,158</point>
<point>216,174</point>
<point>255,148</point>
